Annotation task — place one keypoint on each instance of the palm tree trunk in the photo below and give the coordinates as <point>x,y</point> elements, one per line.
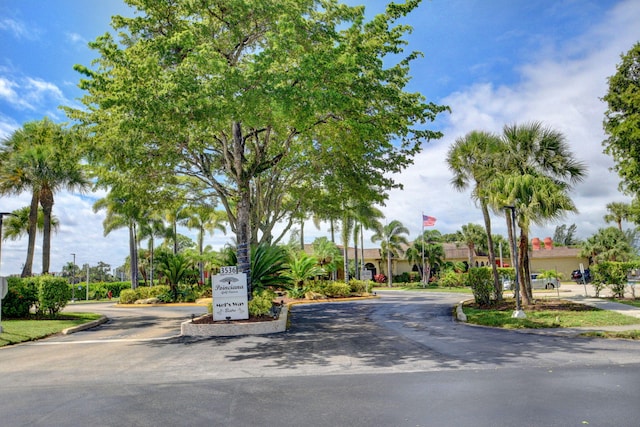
<point>523,267</point>
<point>133,254</point>
<point>46,200</point>
<point>492,253</point>
<point>33,222</point>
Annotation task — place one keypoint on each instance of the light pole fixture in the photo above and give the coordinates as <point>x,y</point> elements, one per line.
<point>518,313</point>
<point>73,279</point>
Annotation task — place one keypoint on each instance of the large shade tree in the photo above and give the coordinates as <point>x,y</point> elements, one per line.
<point>622,120</point>
<point>227,91</point>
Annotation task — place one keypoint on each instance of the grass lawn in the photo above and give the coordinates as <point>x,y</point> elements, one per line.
<point>546,313</point>
<point>21,330</point>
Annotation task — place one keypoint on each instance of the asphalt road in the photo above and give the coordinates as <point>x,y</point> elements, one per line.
<point>397,361</point>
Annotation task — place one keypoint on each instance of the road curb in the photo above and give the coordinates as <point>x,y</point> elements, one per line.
<point>84,326</point>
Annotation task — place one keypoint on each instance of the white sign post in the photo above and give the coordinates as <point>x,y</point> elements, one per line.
<point>230,301</point>
<point>4,288</point>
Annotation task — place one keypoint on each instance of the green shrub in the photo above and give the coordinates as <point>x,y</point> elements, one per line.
<point>19,299</point>
<point>337,289</point>
<point>128,296</point>
<point>360,286</point>
<point>261,303</point>
<point>452,279</point>
<point>53,294</point>
<point>612,274</point>
<point>481,283</point>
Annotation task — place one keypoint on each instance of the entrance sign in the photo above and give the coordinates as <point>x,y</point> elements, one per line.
<point>230,301</point>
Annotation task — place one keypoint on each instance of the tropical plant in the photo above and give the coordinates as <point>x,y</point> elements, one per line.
<point>392,237</point>
<point>41,157</point>
<point>608,244</point>
<point>268,267</point>
<point>175,268</point>
<point>15,226</point>
<point>302,267</point>
<point>473,160</point>
<point>537,174</point>
<point>327,254</point>
<point>473,236</point>
<point>204,218</point>
<point>618,212</point>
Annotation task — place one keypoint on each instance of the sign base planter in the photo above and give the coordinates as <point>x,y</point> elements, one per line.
<point>235,328</point>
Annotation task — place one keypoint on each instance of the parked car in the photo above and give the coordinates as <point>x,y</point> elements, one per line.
<point>576,276</point>
<point>536,283</point>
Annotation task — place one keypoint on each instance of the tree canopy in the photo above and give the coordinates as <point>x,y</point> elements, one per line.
<point>622,119</point>
<point>258,101</point>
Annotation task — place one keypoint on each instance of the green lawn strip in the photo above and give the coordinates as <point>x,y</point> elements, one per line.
<point>627,335</point>
<point>16,331</point>
<point>633,302</point>
<point>548,318</point>
<point>430,288</point>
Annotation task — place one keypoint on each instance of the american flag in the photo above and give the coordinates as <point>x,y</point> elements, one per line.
<point>428,221</point>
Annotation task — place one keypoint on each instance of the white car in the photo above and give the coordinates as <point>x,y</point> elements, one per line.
<point>536,283</point>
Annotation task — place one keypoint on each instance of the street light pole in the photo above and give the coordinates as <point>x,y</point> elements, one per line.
<point>518,313</point>
<point>73,279</point>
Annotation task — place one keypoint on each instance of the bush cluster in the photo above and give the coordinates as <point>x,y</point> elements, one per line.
<point>44,294</point>
<point>479,279</point>
<point>261,303</point>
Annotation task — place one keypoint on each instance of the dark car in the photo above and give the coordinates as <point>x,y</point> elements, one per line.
<point>576,275</point>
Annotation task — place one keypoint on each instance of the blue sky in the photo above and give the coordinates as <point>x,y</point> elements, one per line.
<point>494,62</point>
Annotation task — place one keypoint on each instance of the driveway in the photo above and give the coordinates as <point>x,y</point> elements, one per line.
<point>397,361</point>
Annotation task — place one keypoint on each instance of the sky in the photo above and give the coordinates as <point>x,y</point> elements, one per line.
<point>493,62</point>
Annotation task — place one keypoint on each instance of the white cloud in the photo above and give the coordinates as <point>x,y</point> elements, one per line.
<point>561,89</point>
<point>18,29</point>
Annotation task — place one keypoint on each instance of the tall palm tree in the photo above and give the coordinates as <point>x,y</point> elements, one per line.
<point>123,210</point>
<point>608,244</point>
<point>618,212</point>
<point>204,218</point>
<point>42,157</point>
<point>473,160</point>
<point>392,237</point>
<point>537,199</point>
<point>536,173</point>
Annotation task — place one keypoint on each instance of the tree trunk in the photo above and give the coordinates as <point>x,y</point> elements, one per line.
<point>497,286</point>
<point>33,223</point>
<point>523,267</point>
<point>133,255</point>
<point>243,233</point>
<point>390,277</point>
<point>46,200</point>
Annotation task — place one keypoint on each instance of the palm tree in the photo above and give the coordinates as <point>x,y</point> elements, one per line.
<point>41,157</point>
<point>123,210</point>
<point>618,211</point>
<point>537,172</point>
<point>427,252</point>
<point>204,218</point>
<point>17,225</point>
<point>473,236</point>
<point>391,237</point>
<point>537,199</point>
<point>473,159</point>
<point>150,227</point>
<point>608,244</point>
<point>327,254</point>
